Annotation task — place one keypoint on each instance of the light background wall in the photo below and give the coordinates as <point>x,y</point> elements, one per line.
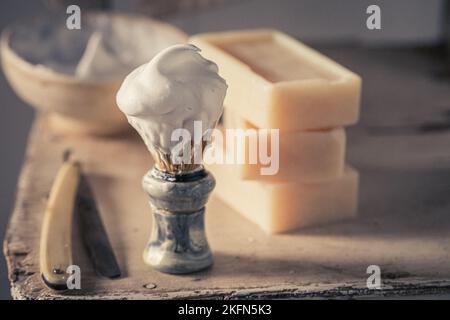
<point>404,22</point>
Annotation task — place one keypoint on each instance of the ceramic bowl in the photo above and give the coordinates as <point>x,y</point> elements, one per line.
<point>74,104</point>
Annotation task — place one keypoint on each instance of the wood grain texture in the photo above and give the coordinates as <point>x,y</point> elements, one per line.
<point>401,147</point>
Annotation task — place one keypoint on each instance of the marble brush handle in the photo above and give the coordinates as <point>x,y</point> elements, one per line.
<point>178,241</point>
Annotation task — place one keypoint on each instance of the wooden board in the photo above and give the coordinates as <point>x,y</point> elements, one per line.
<point>401,147</point>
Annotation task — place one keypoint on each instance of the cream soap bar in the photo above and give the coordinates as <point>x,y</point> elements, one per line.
<point>277,82</point>
<point>281,207</point>
<point>306,156</point>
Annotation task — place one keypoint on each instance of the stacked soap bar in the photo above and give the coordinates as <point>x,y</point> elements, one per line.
<point>275,82</point>
<point>285,206</point>
<point>304,156</point>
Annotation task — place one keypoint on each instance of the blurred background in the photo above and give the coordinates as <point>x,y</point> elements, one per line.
<point>405,23</point>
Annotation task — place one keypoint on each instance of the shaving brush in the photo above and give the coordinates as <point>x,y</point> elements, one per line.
<point>175,91</point>
<point>178,194</point>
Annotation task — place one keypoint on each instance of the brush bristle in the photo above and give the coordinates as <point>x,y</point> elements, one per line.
<point>163,162</point>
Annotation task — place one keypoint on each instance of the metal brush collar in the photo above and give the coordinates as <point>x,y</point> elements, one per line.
<point>179,177</point>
